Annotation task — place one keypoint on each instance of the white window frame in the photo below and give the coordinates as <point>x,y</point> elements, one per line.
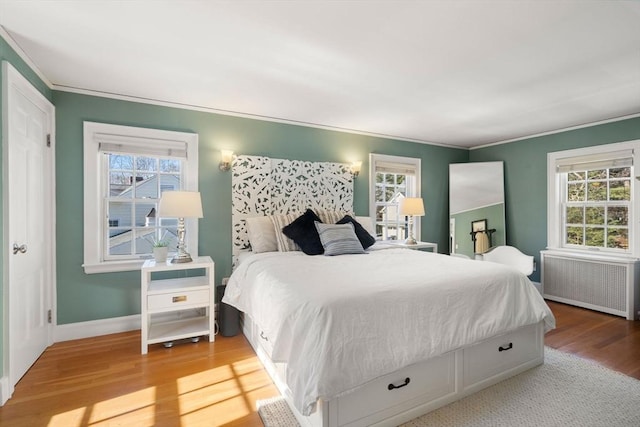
<point>555,198</point>
<point>95,187</point>
<point>375,160</point>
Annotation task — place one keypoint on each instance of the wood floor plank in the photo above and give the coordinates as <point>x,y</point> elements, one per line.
<point>105,381</point>
<point>609,340</point>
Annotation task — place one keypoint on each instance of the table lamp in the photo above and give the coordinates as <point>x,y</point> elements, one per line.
<point>181,205</point>
<point>411,206</point>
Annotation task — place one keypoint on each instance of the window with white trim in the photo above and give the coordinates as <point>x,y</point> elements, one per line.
<point>391,179</point>
<point>593,200</point>
<point>126,171</point>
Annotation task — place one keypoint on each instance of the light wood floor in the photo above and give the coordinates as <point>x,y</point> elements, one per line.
<point>104,381</point>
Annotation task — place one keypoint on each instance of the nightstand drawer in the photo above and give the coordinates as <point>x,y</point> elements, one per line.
<point>174,300</point>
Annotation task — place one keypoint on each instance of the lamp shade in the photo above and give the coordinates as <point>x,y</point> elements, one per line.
<point>180,204</point>
<point>412,206</point>
<point>226,156</point>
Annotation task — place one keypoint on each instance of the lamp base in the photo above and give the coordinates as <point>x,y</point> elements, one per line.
<point>181,258</point>
<point>411,241</point>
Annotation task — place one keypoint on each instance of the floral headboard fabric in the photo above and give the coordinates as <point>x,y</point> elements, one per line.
<point>264,186</point>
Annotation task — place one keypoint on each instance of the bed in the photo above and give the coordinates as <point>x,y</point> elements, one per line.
<point>379,337</point>
<point>371,334</point>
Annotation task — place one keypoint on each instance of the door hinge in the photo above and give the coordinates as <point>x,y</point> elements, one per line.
<point>49,316</point>
<point>48,140</point>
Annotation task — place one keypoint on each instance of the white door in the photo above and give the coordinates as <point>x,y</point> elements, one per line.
<point>28,222</point>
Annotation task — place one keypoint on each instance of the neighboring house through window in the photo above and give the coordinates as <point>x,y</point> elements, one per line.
<point>593,200</point>
<point>391,179</point>
<point>126,171</point>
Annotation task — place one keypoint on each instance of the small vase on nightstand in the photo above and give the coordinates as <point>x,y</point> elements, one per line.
<point>160,253</point>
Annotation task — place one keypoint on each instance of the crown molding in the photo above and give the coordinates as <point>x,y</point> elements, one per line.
<point>552,132</point>
<point>23,55</point>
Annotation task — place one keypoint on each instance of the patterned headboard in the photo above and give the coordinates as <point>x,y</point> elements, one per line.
<point>265,186</point>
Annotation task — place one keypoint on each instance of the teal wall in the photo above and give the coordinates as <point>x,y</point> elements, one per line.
<point>8,54</point>
<point>525,169</point>
<point>83,297</point>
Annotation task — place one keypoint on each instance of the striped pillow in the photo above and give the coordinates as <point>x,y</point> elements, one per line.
<point>285,244</point>
<point>339,239</point>
<point>330,217</point>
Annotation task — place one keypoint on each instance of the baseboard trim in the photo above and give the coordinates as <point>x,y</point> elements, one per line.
<point>4,390</point>
<point>94,328</point>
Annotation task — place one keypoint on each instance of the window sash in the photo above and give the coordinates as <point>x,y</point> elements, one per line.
<point>136,230</point>
<point>584,204</point>
<point>393,226</point>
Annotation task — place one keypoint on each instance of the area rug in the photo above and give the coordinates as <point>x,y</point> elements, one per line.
<point>565,391</point>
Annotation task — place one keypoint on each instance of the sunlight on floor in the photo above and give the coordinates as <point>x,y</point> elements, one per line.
<point>70,418</point>
<point>137,408</point>
<point>221,390</point>
<point>214,397</point>
<point>139,405</point>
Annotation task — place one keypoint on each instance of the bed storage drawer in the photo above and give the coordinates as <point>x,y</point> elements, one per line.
<point>498,354</point>
<point>263,341</point>
<point>421,382</point>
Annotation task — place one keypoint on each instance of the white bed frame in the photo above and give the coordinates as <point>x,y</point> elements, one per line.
<point>264,186</point>
<point>412,391</point>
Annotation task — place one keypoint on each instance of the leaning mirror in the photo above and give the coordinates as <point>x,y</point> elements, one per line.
<point>476,207</point>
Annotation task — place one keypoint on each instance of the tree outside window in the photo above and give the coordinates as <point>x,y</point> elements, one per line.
<point>596,208</point>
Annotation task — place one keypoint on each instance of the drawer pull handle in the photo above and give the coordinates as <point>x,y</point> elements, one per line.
<point>263,336</point>
<point>509,347</point>
<point>181,298</point>
<point>393,386</point>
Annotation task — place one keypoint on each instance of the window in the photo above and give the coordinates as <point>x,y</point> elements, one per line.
<point>392,178</point>
<point>134,189</point>
<point>126,171</point>
<point>592,200</point>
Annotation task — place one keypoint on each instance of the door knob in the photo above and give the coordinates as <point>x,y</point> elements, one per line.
<point>22,248</point>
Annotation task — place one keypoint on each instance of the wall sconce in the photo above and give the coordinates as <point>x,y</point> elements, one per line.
<point>225,160</point>
<point>355,168</point>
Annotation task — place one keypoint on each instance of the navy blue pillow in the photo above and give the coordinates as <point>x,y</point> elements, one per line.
<point>303,231</point>
<point>363,235</point>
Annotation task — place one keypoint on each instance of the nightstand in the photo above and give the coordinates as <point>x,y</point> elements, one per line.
<point>419,245</point>
<point>176,308</point>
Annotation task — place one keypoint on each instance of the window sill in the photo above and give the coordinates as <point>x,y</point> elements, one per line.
<point>113,266</point>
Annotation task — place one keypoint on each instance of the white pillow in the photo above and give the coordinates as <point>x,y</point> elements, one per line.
<point>262,235</point>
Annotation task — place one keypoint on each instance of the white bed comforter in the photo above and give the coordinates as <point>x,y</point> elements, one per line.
<point>339,322</point>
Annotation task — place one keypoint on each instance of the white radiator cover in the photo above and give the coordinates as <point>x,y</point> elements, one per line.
<point>597,282</point>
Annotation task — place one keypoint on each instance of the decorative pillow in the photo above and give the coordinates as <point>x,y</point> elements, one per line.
<point>285,244</point>
<point>339,239</point>
<point>329,217</point>
<point>303,231</point>
<point>262,234</point>
<point>363,235</point>
<point>367,224</point>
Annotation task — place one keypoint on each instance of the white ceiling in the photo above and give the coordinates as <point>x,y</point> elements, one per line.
<point>462,73</point>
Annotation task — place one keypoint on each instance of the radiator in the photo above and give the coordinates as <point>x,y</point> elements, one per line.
<point>602,283</point>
